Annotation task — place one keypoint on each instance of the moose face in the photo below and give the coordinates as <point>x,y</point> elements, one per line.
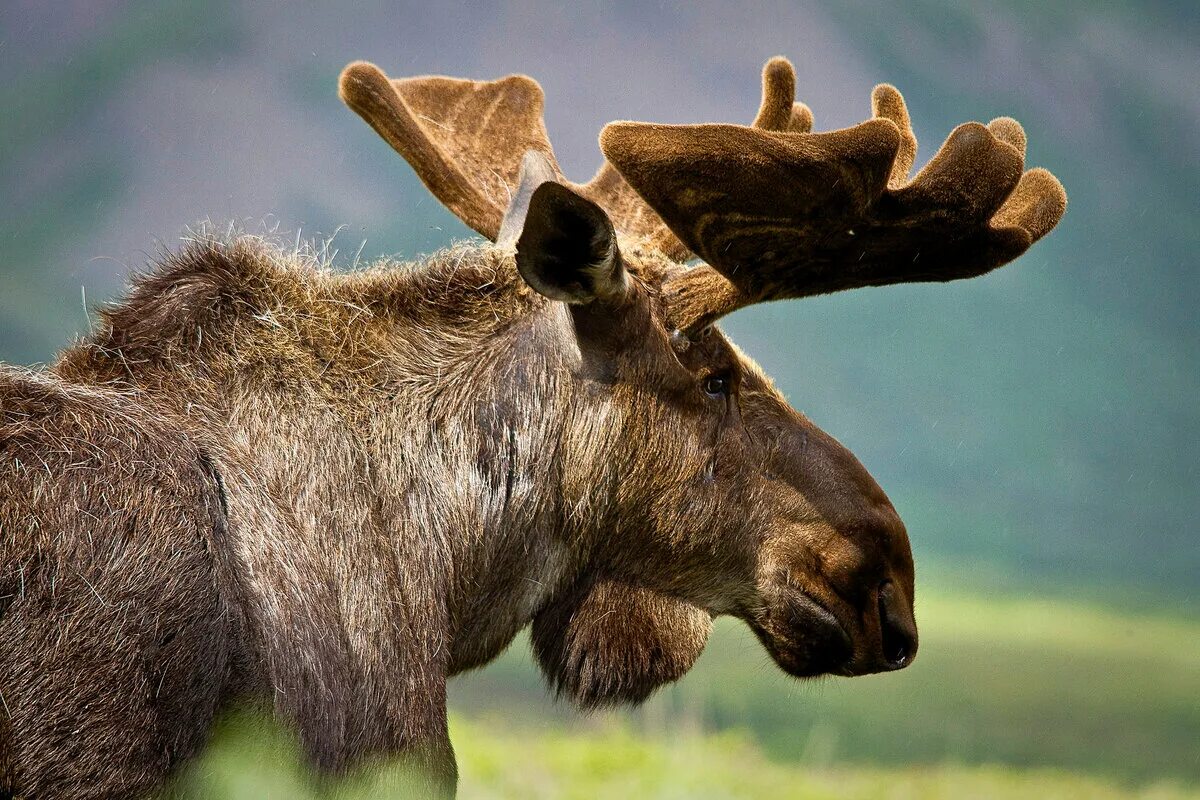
<point>726,498</point>
<point>834,572</point>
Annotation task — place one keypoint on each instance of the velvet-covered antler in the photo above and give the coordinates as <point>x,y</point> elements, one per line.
<point>466,140</point>
<point>775,210</point>
<point>779,212</point>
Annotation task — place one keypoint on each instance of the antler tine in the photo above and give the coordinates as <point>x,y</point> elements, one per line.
<point>887,103</point>
<point>785,214</point>
<point>779,110</point>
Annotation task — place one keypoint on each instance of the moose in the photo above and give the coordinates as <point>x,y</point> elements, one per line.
<point>260,479</point>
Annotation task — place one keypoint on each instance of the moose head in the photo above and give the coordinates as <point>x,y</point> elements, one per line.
<point>710,495</point>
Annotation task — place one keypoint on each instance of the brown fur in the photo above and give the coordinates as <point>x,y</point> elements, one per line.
<point>608,642</point>
<point>118,633</point>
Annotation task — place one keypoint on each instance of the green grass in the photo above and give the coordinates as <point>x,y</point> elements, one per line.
<point>616,763</point>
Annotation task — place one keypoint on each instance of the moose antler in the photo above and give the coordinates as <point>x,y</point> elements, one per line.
<point>466,140</point>
<point>778,212</point>
<point>775,210</point>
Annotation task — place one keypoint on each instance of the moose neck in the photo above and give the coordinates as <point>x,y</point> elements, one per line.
<point>396,416</point>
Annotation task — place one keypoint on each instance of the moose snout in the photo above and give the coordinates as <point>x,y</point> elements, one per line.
<point>897,629</point>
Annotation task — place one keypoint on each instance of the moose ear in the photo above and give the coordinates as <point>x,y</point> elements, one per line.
<point>567,249</point>
<point>609,642</point>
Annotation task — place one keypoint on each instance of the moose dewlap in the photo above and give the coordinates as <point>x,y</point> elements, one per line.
<point>262,480</point>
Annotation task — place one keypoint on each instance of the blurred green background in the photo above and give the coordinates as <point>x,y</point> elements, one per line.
<point>1036,428</point>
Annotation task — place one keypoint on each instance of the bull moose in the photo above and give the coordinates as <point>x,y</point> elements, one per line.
<point>260,479</point>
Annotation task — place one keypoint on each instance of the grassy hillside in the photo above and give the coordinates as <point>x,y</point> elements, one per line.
<point>497,762</point>
<point>1008,698</point>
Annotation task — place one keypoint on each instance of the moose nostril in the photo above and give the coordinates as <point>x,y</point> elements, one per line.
<point>897,631</point>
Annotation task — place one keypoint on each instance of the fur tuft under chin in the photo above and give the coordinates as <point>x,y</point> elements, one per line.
<point>610,643</point>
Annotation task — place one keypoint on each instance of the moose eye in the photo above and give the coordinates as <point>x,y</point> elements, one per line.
<point>716,386</point>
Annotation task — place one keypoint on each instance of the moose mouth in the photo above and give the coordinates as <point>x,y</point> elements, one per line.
<point>805,638</point>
